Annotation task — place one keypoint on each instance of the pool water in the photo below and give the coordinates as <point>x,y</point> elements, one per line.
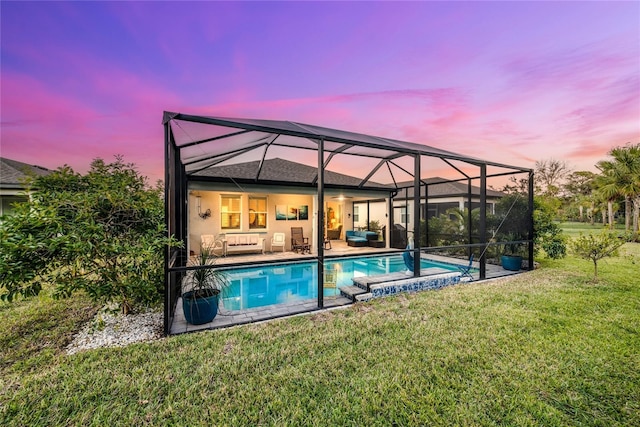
<point>253,287</point>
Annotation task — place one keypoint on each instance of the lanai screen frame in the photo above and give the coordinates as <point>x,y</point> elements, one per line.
<point>180,169</point>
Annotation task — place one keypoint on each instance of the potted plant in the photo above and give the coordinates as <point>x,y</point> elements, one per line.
<point>511,258</point>
<point>203,287</point>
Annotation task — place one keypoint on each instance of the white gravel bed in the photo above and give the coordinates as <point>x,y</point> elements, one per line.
<point>109,330</point>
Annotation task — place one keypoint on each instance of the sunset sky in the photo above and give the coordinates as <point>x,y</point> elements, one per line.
<point>513,82</point>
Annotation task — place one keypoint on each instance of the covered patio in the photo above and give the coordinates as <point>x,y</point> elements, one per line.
<point>235,179</point>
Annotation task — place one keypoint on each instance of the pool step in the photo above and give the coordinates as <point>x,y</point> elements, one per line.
<point>366,281</point>
<point>352,292</point>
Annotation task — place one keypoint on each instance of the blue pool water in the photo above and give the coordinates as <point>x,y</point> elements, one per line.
<point>276,284</point>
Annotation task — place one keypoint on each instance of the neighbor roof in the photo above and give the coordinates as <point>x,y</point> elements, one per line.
<point>439,188</point>
<point>13,173</point>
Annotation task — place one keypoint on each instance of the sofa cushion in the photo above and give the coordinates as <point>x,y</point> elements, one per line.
<point>361,235</point>
<point>244,242</point>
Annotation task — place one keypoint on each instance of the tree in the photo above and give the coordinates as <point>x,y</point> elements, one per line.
<point>547,233</point>
<point>607,186</point>
<point>620,179</point>
<point>626,172</point>
<point>578,188</point>
<point>549,174</point>
<point>579,183</point>
<point>103,233</point>
<point>516,185</point>
<point>595,248</point>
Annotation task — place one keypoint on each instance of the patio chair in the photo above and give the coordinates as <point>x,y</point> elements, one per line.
<point>298,241</point>
<point>278,240</point>
<point>210,242</point>
<point>466,270</point>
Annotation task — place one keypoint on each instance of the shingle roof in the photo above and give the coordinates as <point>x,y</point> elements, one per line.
<point>13,173</point>
<point>446,189</point>
<point>285,171</point>
<point>282,171</point>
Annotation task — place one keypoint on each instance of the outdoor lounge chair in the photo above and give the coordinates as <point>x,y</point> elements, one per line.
<point>298,241</point>
<point>466,270</point>
<point>278,240</point>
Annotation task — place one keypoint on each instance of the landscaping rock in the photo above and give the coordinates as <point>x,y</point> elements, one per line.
<point>117,330</point>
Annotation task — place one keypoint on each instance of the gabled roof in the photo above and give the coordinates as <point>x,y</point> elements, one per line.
<point>438,188</point>
<point>13,173</point>
<point>282,171</point>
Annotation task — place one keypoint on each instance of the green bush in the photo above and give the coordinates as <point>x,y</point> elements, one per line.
<point>555,246</point>
<point>102,232</point>
<point>547,233</point>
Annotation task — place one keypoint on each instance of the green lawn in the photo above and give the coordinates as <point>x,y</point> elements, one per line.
<point>548,347</point>
<point>573,229</point>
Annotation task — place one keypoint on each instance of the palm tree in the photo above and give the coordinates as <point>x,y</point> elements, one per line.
<point>627,173</point>
<point>620,177</point>
<point>607,186</point>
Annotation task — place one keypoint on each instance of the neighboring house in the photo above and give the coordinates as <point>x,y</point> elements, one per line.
<point>442,196</point>
<point>12,177</point>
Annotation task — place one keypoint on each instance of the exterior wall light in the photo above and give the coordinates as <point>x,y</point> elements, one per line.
<point>204,215</point>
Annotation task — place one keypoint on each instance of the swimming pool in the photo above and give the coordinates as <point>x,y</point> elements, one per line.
<point>254,287</point>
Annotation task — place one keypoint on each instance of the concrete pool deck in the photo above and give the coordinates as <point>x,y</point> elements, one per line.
<point>226,318</point>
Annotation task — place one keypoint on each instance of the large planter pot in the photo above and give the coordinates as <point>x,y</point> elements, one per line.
<point>199,310</point>
<point>511,262</point>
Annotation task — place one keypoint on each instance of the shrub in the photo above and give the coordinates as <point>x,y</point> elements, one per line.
<point>102,232</point>
<point>596,247</point>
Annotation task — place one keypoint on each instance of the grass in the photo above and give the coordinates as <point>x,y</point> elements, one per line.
<point>573,229</point>
<point>548,347</point>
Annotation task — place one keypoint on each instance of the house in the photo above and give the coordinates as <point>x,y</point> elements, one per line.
<point>438,195</point>
<point>12,182</point>
<point>232,199</point>
<point>248,179</point>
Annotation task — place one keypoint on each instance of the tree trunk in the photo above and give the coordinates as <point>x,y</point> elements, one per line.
<point>581,213</point>
<point>610,211</point>
<point>636,214</point>
<point>593,213</point>
<point>627,213</point>
<point>595,269</point>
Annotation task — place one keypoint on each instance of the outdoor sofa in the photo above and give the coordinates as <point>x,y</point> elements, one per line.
<point>360,238</point>
<point>243,243</point>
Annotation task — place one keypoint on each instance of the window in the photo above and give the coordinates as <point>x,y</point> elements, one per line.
<point>404,215</point>
<point>356,213</point>
<point>7,202</point>
<point>257,212</point>
<point>230,212</point>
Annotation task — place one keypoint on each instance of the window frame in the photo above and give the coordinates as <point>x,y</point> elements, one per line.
<point>264,214</point>
<point>230,212</point>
